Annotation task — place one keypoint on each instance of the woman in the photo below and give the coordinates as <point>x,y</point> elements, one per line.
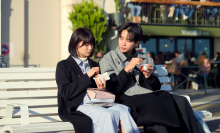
<point>158,111</point>
<point>73,76</point>
<point>206,68</point>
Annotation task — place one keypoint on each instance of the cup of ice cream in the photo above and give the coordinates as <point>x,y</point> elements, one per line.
<point>143,67</point>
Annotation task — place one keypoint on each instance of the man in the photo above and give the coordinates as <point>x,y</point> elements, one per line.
<point>179,57</point>
<point>158,111</point>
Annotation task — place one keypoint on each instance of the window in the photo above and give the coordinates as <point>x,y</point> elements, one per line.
<point>150,45</point>
<point>167,48</point>
<point>202,45</point>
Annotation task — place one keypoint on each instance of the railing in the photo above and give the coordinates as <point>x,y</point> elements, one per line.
<point>193,78</point>
<point>167,12</point>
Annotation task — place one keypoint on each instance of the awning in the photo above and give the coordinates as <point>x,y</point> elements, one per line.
<point>172,30</point>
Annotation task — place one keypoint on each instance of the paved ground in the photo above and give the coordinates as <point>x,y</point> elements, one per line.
<point>209,101</point>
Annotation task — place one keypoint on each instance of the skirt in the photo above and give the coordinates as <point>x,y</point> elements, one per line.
<point>106,120</point>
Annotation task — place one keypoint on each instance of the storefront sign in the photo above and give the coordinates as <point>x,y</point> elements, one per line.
<point>194,33</point>
<point>163,30</point>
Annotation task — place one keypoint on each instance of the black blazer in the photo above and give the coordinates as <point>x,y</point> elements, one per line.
<point>72,85</point>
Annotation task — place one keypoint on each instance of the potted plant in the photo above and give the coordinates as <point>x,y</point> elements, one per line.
<point>90,16</point>
<point>116,18</point>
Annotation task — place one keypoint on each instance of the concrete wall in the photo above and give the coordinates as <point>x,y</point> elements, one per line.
<point>40,29</point>
<point>44,32</point>
<point>12,29</point>
<point>33,26</point>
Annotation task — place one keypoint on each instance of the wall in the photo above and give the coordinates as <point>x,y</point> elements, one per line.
<point>12,29</point>
<point>33,26</point>
<point>44,32</point>
<point>40,29</point>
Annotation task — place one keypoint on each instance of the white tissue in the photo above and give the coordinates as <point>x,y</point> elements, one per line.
<point>104,76</point>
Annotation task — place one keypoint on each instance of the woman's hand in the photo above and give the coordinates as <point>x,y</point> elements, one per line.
<point>101,84</point>
<point>93,71</point>
<point>132,64</point>
<point>148,71</point>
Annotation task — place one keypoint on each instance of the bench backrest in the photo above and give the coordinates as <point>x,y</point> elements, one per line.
<point>36,87</point>
<point>164,79</point>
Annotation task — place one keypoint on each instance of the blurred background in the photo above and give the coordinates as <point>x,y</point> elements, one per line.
<point>37,32</point>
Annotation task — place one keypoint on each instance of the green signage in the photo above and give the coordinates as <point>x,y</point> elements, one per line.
<point>162,30</point>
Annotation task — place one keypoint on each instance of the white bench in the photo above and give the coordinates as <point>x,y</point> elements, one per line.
<point>28,99</point>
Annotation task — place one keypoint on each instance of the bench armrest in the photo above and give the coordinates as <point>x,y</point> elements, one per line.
<point>24,112</point>
<point>187,97</point>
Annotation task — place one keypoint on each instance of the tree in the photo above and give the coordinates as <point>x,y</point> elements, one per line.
<point>89,16</point>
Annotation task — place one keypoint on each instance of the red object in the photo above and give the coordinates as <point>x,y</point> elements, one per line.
<point>140,50</point>
<point>97,76</point>
<point>143,67</point>
<point>5,49</point>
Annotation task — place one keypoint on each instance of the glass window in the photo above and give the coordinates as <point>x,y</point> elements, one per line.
<point>180,45</point>
<point>186,50</point>
<point>202,45</point>
<point>167,48</point>
<point>150,45</point>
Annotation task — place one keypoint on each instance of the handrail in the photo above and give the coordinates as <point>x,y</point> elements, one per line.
<point>179,2</point>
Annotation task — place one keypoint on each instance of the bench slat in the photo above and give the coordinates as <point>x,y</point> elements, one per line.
<point>30,102</point>
<point>28,85</point>
<point>27,76</point>
<point>159,67</point>
<point>33,111</point>
<point>29,94</point>
<point>164,79</point>
<point>49,127</point>
<point>31,120</point>
<point>28,70</point>
<point>166,87</point>
<point>162,72</point>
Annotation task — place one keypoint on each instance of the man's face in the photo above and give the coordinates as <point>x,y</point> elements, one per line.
<point>176,54</point>
<point>125,44</point>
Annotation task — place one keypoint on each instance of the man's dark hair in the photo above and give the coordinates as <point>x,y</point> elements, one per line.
<point>134,29</point>
<point>176,52</point>
<point>80,34</point>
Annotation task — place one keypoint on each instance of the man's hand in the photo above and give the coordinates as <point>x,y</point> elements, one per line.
<point>132,64</point>
<point>148,71</point>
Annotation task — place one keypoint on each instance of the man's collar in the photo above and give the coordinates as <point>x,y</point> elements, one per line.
<point>120,54</point>
<point>134,52</point>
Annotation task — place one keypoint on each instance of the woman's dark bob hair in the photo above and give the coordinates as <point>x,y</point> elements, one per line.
<point>134,29</point>
<point>80,34</point>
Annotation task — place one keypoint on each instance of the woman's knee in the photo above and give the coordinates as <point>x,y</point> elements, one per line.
<point>111,114</point>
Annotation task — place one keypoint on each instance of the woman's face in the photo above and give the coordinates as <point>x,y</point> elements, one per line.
<point>126,46</point>
<point>216,55</point>
<point>85,50</point>
<point>206,61</point>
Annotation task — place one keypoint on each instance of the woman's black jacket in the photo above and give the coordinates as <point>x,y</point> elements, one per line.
<point>72,85</point>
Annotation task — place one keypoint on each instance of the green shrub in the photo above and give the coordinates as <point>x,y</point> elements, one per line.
<point>89,16</point>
